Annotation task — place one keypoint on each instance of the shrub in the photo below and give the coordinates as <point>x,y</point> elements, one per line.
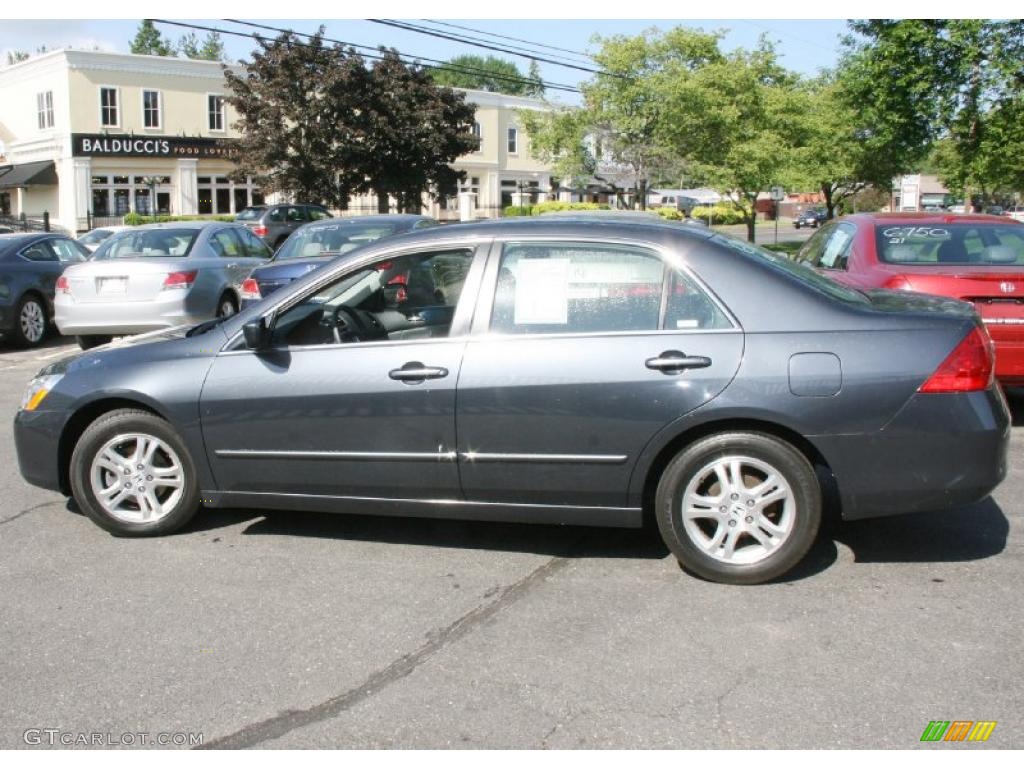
<point>722,213</point>
<point>672,214</point>
<point>553,205</point>
<point>135,219</point>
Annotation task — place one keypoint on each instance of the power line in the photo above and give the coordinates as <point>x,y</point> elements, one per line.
<point>574,54</point>
<point>462,68</point>
<point>445,36</point>
<point>416,61</point>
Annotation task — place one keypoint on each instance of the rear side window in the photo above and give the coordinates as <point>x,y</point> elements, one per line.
<point>250,214</point>
<point>225,244</point>
<point>294,214</point>
<point>69,251</point>
<point>276,215</point>
<point>39,252</point>
<point>316,214</point>
<point>593,288</point>
<point>814,248</point>
<point>252,246</point>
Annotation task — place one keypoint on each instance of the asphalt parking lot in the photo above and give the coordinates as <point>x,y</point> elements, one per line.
<point>303,630</point>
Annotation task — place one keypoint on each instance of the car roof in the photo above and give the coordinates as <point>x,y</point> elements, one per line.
<point>195,224</point>
<point>921,217</point>
<point>21,238</point>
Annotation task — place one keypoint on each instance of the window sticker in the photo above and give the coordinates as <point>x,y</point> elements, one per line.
<point>542,292</point>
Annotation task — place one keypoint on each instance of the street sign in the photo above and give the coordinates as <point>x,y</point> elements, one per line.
<point>778,193</point>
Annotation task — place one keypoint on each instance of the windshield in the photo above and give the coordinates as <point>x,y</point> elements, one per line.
<point>250,214</point>
<point>802,272</point>
<point>331,239</point>
<point>96,236</point>
<point>938,245</point>
<point>147,242</point>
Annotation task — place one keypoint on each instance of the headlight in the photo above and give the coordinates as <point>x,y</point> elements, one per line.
<point>38,389</point>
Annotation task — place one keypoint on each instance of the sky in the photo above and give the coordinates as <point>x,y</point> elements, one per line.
<point>805,46</point>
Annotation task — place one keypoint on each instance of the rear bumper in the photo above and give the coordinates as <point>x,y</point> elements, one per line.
<point>938,452</point>
<point>1010,360</point>
<point>126,317</point>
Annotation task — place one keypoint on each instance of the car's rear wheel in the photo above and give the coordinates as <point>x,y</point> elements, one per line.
<point>739,507</point>
<point>31,323</point>
<point>133,475</point>
<point>226,306</point>
<point>88,342</point>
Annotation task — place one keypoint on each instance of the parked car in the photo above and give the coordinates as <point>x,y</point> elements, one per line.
<point>273,223</point>
<point>812,217</point>
<point>157,276</point>
<point>1016,213</point>
<point>5,230</point>
<point>29,267</point>
<point>92,239</point>
<point>973,257</point>
<point>542,370</point>
<point>313,245</point>
<point>995,210</point>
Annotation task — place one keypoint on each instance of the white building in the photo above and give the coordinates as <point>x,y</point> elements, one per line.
<point>87,135</point>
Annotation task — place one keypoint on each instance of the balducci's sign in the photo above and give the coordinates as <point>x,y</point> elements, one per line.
<point>100,145</point>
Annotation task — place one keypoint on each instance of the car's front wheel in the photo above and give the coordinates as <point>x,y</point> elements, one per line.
<point>739,507</point>
<point>88,342</point>
<point>133,475</point>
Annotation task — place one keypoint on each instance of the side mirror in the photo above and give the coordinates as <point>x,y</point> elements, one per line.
<point>257,333</point>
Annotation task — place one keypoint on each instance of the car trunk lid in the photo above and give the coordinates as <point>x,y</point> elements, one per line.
<point>121,280</point>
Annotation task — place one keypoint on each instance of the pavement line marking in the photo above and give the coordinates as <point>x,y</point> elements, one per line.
<point>289,720</point>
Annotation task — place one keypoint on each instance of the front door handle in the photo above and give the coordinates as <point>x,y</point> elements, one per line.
<point>416,373</point>
<point>674,361</point>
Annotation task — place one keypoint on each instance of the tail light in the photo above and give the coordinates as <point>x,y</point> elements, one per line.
<point>180,279</point>
<point>62,285</point>
<point>970,367</point>
<point>259,230</point>
<point>898,283</point>
<point>250,290</point>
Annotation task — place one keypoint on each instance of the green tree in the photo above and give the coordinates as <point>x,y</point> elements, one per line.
<point>535,87</point>
<point>211,48</point>
<point>414,130</point>
<point>954,84</point>
<point>150,42</point>
<point>300,106</point>
<point>482,73</point>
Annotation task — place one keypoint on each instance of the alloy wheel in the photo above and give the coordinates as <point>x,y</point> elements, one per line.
<point>137,478</point>
<point>33,322</point>
<point>738,509</point>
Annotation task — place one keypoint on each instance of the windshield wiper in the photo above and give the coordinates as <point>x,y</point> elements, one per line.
<point>199,330</point>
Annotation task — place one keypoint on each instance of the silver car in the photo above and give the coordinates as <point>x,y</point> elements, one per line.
<point>154,277</point>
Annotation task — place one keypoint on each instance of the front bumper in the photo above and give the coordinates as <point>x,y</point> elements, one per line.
<point>102,318</point>
<point>37,443</point>
<point>938,452</point>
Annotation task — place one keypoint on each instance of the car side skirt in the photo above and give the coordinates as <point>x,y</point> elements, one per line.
<point>455,509</point>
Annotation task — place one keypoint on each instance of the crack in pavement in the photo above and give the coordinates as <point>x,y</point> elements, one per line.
<point>289,720</point>
<point>24,512</point>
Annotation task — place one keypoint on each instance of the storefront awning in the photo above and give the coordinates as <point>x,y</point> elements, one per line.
<point>28,175</point>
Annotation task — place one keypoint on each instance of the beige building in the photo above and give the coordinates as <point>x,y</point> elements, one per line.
<point>88,136</point>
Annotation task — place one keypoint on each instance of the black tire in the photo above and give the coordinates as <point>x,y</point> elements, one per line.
<point>109,426</point>
<point>88,342</point>
<point>225,302</point>
<point>31,321</point>
<point>693,462</point>
<point>796,224</point>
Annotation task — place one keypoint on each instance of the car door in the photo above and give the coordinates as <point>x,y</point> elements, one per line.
<point>354,398</point>
<point>234,261</point>
<point>580,353</point>
<point>46,267</point>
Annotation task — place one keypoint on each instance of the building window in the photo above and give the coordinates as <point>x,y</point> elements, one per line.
<point>109,115</point>
<point>513,141</point>
<point>151,109</point>
<point>215,111</point>
<point>44,108</point>
<point>479,136</point>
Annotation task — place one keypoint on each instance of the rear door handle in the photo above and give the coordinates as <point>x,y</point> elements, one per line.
<point>674,361</point>
<point>416,373</point>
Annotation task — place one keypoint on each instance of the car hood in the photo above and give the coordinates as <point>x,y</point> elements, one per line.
<point>290,268</point>
<point>131,346</point>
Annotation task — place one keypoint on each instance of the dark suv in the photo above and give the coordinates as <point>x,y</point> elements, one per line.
<point>273,223</point>
<point>812,217</point>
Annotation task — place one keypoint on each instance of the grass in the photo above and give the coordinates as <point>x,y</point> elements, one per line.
<point>789,248</point>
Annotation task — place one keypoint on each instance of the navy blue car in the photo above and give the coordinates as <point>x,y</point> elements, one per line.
<point>30,264</point>
<point>313,245</point>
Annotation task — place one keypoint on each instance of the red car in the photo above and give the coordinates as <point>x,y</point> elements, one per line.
<point>975,258</point>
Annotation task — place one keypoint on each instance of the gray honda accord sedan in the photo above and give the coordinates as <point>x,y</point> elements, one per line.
<point>552,371</point>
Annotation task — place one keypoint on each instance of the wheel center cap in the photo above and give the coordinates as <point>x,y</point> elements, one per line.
<point>738,510</point>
